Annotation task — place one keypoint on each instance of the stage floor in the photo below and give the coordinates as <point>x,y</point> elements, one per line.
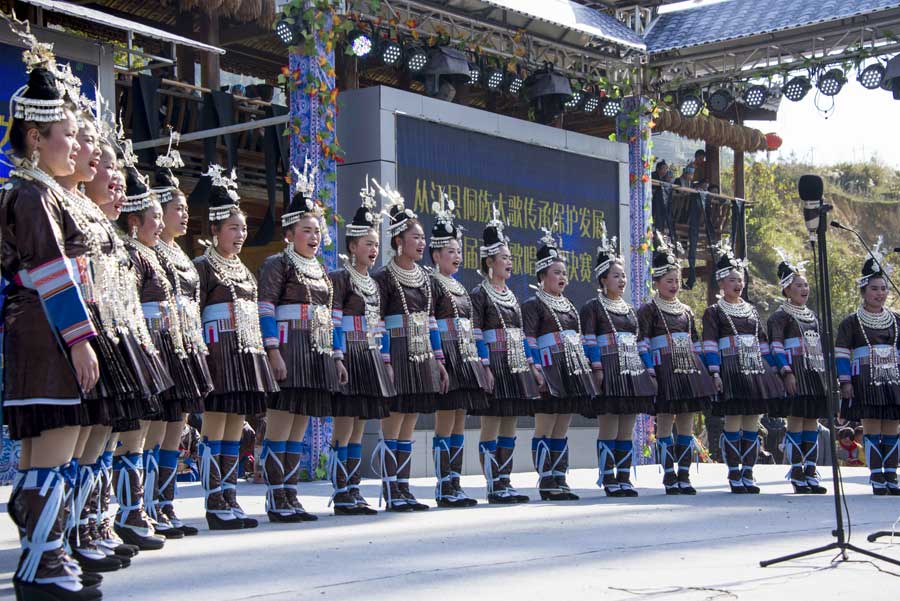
<point>653,547</point>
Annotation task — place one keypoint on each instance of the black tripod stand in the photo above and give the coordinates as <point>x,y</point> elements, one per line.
<point>823,298</point>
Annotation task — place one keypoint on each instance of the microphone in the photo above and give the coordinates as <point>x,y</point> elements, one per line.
<point>837,224</point>
<point>811,189</point>
<point>897,249</point>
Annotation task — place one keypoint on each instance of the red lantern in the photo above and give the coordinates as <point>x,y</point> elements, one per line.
<point>773,141</point>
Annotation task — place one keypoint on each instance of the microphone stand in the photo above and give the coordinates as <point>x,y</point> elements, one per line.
<point>841,226</point>
<point>823,297</point>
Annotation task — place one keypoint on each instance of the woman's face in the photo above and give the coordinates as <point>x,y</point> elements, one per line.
<point>175,215</point>
<point>365,249</point>
<point>668,285</point>
<point>148,231</point>
<point>100,188</point>
<point>114,209</point>
<point>732,285</point>
<point>231,235</point>
<point>554,278</point>
<point>501,264</point>
<point>305,235</point>
<point>798,291</point>
<point>59,148</point>
<point>448,258</point>
<point>413,241</point>
<point>87,158</point>
<point>614,281</point>
<point>875,293</point>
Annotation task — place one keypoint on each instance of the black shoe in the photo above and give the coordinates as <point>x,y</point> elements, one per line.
<point>416,506</point>
<point>31,591</point>
<point>737,487</point>
<point>90,579</point>
<point>126,550</point>
<point>801,487</point>
<point>188,530</point>
<point>499,498</point>
<point>216,523</point>
<point>173,533</point>
<point>144,543</point>
<point>557,495</point>
<point>452,503</point>
<point>352,510</point>
<point>673,490</point>
<point>109,563</point>
<point>249,522</point>
<point>281,518</point>
<point>399,506</point>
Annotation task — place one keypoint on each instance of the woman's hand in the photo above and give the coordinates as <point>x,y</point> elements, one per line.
<point>445,378</point>
<point>489,379</point>
<point>718,380</point>
<point>539,378</point>
<point>790,383</point>
<point>87,370</point>
<point>390,371</point>
<point>279,369</point>
<point>597,374</point>
<point>342,375</point>
<point>846,391</point>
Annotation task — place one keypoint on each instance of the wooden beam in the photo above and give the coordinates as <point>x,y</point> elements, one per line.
<point>210,70</point>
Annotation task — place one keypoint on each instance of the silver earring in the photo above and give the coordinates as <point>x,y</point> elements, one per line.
<point>399,250</point>
<point>35,157</point>
<point>215,241</point>
<point>490,273</point>
<point>353,261</point>
<point>134,232</point>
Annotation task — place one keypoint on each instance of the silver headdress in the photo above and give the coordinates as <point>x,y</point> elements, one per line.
<point>875,265</point>
<point>304,184</point>
<point>493,237</point>
<point>367,217</point>
<point>444,230</point>
<point>606,252</point>
<point>227,184</point>
<point>549,250</point>
<point>395,207</point>
<point>727,262</point>
<point>166,180</point>
<point>787,269</point>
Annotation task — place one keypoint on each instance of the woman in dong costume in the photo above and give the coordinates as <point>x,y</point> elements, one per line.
<point>671,345</point>
<point>553,331</point>
<point>503,348</point>
<point>241,375</point>
<point>797,350</point>
<point>411,346</point>
<point>295,314</point>
<point>611,341</point>
<point>184,280</point>
<point>867,363</point>
<point>468,378</point>
<point>736,353</point>
<point>358,328</point>
<point>45,315</point>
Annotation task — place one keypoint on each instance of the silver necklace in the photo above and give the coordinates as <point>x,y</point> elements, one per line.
<point>152,259</point>
<point>504,298</point>
<point>321,326</point>
<point>367,288</point>
<point>231,269</point>
<point>176,262</point>
<point>875,321</point>
<point>803,313</point>
<point>246,315</point>
<point>630,363</point>
<point>672,307</point>
<point>411,278</point>
<point>618,306</point>
<point>417,323</point>
<point>175,256</point>
<point>304,266</point>
<point>681,347</point>
<point>363,284</point>
<point>741,309</point>
<point>450,284</point>
<point>559,304</point>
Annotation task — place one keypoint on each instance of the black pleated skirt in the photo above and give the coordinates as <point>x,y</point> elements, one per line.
<point>746,394</point>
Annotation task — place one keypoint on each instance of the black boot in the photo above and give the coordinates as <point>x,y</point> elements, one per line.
<point>666,453</point>
<point>731,452</point>
<point>623,472</point>
<point>229,466</point>
<point>547,486</point>
<point>353,479</point>
<point>291,484</point>
<point>749,453</point>
<point>559,464</point>
<point>219,515</point>
<point>456,467</point>
<point>684,455</point>
<point>344,503</point>
<point>161,523</point>
<point>132,523</point>
<point>404,467</point>
<point>504,468</point>
<point>606,462</point>
<point>496,492</point>
<point>810,452</point>
<point>793,453</point>
<point>278,508</point>
<point>875,461</point>
<point>166,498</point>
<point>889,453</point>
<point>444,493</point>
<point>84,548</point>
<point>103,517</point>
<point>393,498</point>
<point>44,571</point>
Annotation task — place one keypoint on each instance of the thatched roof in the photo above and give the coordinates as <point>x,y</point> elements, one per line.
<point>243,11</point>
<point>713,130</point>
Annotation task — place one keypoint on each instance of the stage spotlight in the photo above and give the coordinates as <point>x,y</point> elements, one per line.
<point>720,100</point>
<point>474,74</point>
<point>591,102</point>
<point>446,69</point>
<point>795,89</point>
<point>755,96</point>
<point>416,59</point>
<point>891,80</point>
<point>514,83</point>
<point>831,82</point>
<point>390,53</point>
<point>286,30</point>
<point>690,105</point>
<point>610,107</point>
<point>493,78</point>
<point>360,43</point>
<point>575,101</point>
<point>871,76</point>
<point>547,90</point>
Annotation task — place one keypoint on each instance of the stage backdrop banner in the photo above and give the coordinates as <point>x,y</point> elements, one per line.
<point>533,187</point>
<point>12,77</point>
